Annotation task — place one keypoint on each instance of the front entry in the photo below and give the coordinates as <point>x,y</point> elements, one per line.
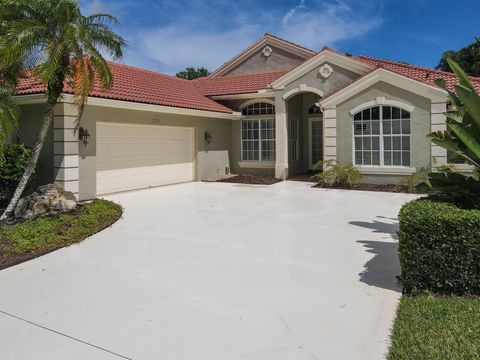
<point>315,141</point>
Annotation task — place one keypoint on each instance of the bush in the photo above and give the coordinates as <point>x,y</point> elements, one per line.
<point>439,248</point>
<point>333,173</point>
<point>12,166</point>
<point>412,181</point>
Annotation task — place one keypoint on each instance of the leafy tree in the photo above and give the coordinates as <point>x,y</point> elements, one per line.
<point>468,58</point>
<point>191,73</point>
<point>59,45</point>
<point>461,138</point>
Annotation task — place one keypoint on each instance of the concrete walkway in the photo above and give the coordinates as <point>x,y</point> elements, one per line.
<point>207,271</point>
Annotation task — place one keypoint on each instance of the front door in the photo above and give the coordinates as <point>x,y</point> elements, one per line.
<point>315,141</point>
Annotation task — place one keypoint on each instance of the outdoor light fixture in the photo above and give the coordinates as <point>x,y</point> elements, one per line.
<point>208,137</point>
<point>83,136</point>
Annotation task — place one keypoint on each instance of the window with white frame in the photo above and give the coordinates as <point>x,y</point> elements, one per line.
<point>258,132</point>
<point>294,137</point>
<point>381,136</point>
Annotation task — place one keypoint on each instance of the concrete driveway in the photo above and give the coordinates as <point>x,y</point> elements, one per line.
<point>206,271</point>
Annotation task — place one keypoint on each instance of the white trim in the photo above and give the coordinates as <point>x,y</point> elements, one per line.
<point>267,39</point>
<point>386,170</point>
<point>260,94</point>
<point>257,164</point>
<point>130,105</point>
<point>382,101</point>
<point>322,57</point>
<point>419,88</point>
<point>254,101</point>
<point>301,89</point>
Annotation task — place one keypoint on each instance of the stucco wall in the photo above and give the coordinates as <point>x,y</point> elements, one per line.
<point>339,78</point>
<point>257,63</point>
<point>31,117</point>
<point>420,125</point>
<point>220,129</point>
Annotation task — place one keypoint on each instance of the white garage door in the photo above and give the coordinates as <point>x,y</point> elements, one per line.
<point>140,156</point>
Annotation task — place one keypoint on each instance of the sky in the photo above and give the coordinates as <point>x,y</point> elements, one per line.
<point>169,35</point>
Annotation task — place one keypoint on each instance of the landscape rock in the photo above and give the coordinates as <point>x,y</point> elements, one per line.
<point>48,199</point>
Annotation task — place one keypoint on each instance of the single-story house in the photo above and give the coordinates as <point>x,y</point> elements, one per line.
<point>276,108</point>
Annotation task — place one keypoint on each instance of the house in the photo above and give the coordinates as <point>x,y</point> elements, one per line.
<point>275,108</point>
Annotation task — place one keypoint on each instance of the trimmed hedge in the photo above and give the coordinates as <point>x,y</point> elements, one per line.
<point>439,248</point>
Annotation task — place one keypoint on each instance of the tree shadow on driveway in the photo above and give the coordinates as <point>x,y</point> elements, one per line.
<point>382,270</point>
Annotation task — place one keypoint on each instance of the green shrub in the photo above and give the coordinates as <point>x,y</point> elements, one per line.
<point>333,173</point>
<point>12,167</point>
<point>439,248</point>
<point>412,181</point>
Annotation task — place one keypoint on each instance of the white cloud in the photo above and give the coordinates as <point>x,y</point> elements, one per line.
<point>208,33</point>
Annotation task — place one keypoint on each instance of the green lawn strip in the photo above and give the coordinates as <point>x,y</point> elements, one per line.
<point>32,238</point>
<point>430,327</point>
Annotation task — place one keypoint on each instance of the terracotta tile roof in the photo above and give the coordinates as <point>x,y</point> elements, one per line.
<point>424,75</point>
<point>142,86</point>
<point>237,84</point>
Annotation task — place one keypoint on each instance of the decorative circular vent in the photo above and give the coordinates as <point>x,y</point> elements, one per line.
<point>325,71</point>
<point>267,51</point>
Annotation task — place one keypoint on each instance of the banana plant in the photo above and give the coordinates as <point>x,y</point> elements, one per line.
<point>462,137</point>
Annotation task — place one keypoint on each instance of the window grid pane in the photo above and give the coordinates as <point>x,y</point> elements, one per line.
<point>382,127</point>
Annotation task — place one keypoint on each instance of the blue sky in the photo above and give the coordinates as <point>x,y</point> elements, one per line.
<point>168,35</point>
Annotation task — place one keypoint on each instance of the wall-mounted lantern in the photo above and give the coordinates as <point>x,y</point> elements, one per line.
<point>83,136</point>
<point>208,137</point>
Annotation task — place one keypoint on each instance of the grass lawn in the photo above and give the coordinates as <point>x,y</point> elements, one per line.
<point>429,327</point>
<point>32,238</point>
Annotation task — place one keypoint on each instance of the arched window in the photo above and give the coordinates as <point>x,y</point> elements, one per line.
<point>260,108</point>
<point>258,132</point>
<point>381,136</point>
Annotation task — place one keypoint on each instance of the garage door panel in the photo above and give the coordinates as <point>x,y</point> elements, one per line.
<point>139,156</point>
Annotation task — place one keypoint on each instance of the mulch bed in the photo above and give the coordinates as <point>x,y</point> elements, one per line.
<point>251,179</point>
<point>371,187</point>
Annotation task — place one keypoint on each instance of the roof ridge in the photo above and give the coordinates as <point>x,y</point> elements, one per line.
<point>146,70</point>
<point>412,66</point>
<point>205,78</point>
<point>289,42</point>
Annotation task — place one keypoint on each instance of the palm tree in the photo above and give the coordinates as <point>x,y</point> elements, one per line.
<point>60,46</point>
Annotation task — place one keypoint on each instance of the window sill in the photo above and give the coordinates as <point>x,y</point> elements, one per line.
<point>463,168</point>
<point>387,170</point>
<point>257,164</point>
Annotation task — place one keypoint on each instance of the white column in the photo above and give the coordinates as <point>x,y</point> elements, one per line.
<point>281,146</point>
<point>65,142</point>
<point>438,123</point>
<point>330,134</point>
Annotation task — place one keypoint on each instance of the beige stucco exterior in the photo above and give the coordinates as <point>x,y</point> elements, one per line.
<point>27,132</point>
<point>278,60</point>
<point>420,127</point>
<point>208,157</point>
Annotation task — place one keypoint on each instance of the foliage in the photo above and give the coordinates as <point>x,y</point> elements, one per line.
<point>191,73</point>
<point>442,328</point>
<point>412,181</point>
<point>58,46</point>
<point>462,138</point>
<point>14,162</point>
<point>41,235</point>
<point>9,115</point>
<point>56,41</point>
<point>439,248</point>
<point>333,173</point>
<point>468,58</point>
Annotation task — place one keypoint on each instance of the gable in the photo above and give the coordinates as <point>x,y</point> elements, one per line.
<point>270,53</point>
<point>278,60</point>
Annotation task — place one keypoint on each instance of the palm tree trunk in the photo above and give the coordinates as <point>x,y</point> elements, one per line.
<point>32,162</point>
